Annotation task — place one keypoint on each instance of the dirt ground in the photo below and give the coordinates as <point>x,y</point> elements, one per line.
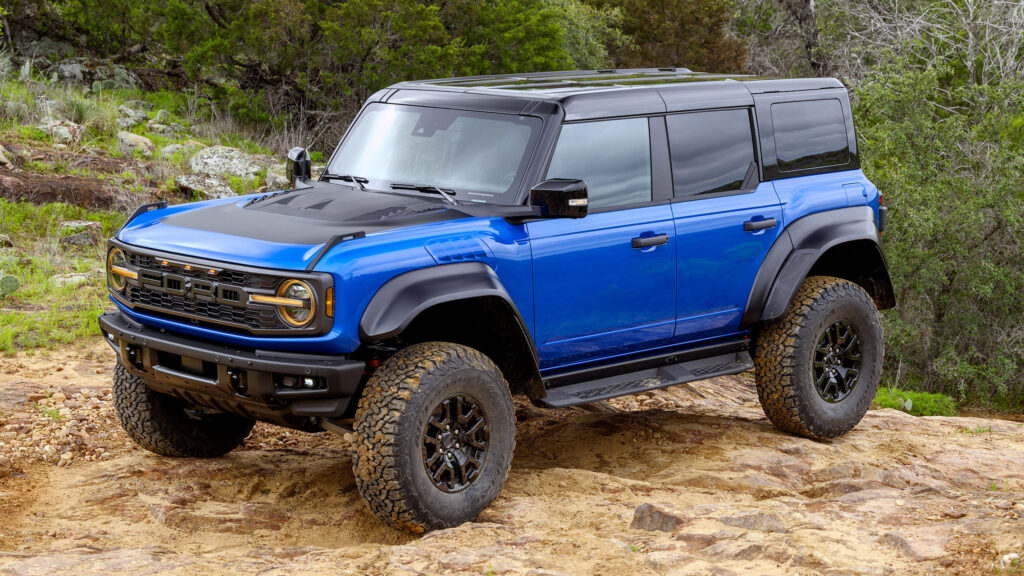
<point>692,480</point>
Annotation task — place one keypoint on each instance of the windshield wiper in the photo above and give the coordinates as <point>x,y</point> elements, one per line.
<point>357,180</point>
<point>446,194</point>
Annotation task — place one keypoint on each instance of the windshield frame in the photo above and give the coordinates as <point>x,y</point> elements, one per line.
<point>525,173</point>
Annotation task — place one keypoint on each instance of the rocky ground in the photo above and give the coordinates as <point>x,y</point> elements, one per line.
<point>692,480</point>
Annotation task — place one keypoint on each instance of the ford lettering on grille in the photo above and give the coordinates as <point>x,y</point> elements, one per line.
<point>191,288</point>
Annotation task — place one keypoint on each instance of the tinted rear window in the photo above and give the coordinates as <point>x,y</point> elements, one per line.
<point>711,151</point>
<point>810,134</point>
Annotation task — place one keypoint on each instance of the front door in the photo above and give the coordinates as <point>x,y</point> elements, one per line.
<point>604,285</point>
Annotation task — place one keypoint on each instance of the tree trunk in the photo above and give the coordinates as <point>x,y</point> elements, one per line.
<point>803,12</point>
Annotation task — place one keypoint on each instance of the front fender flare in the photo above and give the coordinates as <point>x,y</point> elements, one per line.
<point>397,303</point>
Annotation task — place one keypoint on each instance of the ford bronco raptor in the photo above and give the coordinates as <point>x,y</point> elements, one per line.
<point>570,237</point>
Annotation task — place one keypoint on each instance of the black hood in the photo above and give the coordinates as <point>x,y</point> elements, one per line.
<point>315,214</point>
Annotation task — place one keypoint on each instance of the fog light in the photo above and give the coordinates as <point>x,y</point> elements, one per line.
<point>309,382</point>
<point>289,381</point>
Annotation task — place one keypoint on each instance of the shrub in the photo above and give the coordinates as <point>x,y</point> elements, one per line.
<point>920,403</point>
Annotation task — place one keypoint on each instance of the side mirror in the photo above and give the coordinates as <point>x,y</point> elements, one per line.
<point>298,166</point>
<point>560,198</point>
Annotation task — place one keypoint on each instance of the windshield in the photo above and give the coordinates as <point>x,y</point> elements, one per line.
<point>480,156</point>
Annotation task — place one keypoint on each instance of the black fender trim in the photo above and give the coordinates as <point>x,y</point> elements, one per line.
<point>397,303</point>
<point>797,250</point>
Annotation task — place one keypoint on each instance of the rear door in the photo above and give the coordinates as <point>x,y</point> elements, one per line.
<point>725,220</point>
<point>604,285</point>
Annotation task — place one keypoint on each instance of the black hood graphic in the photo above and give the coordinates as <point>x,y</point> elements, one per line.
<point>314,215</point>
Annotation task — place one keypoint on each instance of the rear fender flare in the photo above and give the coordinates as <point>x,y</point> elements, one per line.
<point>795,253</point>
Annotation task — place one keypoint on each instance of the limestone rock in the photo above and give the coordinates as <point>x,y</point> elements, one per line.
<point>61,131</point>
<point>277,178</point>
<point>75,279</point>
<point>130,117</point>
<point>225,161</point>
<point>130,144</point>
<point>203,186</point>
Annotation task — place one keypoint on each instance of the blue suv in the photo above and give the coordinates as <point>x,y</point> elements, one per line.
<point>569,237</point>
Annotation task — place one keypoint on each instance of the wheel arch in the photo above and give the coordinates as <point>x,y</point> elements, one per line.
<point>843,243</point>
<point>464,303</point>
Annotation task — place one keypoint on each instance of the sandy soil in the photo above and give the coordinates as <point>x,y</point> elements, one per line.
<point>693,480</point>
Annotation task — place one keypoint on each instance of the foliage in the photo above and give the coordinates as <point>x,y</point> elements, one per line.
<point>591,33</point>
<point>921,403</point>
<point>948,158</point>
<point>669,33</point>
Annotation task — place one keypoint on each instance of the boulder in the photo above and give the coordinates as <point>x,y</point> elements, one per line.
<point>75,279</point>
<point>657,517</point>
<point>276,178</point>
<point>203,186</point>
<point>3,159</point>
<point>187,147</point>
<point>139,105</point>
<point>5,241</point>
<point>130,144</point>
<point>162,117</point>
<point>80,233</point>
<point>71,71</point>
<point>130,117</point>
<point>61,131</point>
<point>225,161</point>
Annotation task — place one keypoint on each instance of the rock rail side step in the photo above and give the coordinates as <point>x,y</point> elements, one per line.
<point>649,379</point>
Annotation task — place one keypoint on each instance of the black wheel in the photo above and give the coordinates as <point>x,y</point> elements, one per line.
<point>171,427</point>
<point>434,436</point>
<point>818,368</point>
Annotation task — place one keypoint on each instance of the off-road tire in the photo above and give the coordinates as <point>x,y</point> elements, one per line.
<point>390,425</point>
<point>784,359</point>
<point>168,426</point>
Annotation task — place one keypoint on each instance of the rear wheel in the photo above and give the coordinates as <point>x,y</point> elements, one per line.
<point>434,436</point>
<point>168,426</point>
<point>818,368</point>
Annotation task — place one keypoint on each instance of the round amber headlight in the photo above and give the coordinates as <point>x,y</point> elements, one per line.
<point>117,259</point>
<point>300,312</point>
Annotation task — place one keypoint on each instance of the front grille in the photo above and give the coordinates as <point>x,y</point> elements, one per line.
<point>212,311</point>
<point>247,280</point>
<point>163,297</point>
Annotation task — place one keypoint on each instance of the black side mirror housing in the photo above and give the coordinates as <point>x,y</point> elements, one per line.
<point>298,167</point>
<point>560,198</point>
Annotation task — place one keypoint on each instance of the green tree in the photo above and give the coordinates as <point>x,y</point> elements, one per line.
<point>591,33</point>
<point>692,34</point>
<point>948,158</point>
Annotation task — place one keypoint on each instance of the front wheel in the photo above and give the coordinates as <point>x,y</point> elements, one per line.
<point>168,426</point>
<point>434,436</point>
<point>818,368</point>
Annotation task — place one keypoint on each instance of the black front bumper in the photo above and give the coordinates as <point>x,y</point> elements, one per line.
<point>259,384</point>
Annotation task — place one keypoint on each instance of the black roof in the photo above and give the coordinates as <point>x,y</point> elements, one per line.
<point>593,93</point>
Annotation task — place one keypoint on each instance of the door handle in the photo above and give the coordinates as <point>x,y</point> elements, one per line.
<point>752,225</point>
<point>648,241</point>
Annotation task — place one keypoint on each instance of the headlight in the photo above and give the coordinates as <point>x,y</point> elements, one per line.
<point>296,304</point>
<point>118,271</point>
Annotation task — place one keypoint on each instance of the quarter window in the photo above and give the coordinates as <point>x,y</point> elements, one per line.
<point>711,151</point>
<point>810,134</point>
<point>613,157</point>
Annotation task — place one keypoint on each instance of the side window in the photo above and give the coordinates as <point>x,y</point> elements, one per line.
<point>810,134</point>
<point>711,151</point>
<point>613,157</point>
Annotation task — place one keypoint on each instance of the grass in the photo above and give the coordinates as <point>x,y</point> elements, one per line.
<point>41,313</point>
<point>53,413</point>
<point>979,429</point>
<point>921,403</point>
